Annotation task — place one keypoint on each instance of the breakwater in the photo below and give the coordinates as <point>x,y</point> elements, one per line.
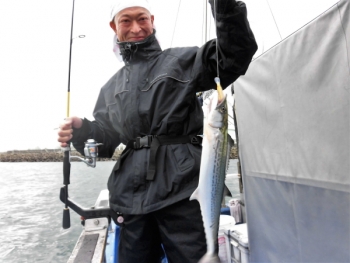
<point>46,155</point>
<point>56,155</point>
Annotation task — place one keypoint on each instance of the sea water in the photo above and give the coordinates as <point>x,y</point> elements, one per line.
<point>31,212</point>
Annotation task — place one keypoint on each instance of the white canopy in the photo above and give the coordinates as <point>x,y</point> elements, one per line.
<point>293,118</point>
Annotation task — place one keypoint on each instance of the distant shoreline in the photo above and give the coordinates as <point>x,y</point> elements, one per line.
<point>47,155</point>
<point>56,155</point>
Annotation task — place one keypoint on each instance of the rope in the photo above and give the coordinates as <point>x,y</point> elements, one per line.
<point>274,19</point>
<point>205,22</point>
<point>178,8</point>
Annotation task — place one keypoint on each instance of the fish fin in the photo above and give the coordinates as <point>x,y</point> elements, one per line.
<point>195,195</point>
<point>209,258</point>
<point>231,142</point>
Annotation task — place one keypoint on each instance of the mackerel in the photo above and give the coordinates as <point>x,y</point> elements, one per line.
<point>214,161</point>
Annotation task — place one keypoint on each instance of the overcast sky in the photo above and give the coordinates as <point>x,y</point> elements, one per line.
<point>34,54</point>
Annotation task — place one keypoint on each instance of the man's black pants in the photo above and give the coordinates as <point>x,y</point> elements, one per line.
<point>178,227</point>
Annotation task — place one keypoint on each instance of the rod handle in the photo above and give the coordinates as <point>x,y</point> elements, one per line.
<point>66,218</point>
<point>66,168</point>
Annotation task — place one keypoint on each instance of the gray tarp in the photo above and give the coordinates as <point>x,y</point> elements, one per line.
<point>293,123</point>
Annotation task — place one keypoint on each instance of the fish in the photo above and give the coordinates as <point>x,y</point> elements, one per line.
<point>213,168</point>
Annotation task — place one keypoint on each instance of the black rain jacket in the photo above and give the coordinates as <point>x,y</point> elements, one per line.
<point>155,94</point>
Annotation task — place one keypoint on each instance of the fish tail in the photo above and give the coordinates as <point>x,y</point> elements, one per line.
<point>209,258</point>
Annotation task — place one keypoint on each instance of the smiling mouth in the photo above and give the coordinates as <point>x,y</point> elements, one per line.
<point>136,38</point>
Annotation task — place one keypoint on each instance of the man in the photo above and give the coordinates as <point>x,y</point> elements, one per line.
<point>150,105</point>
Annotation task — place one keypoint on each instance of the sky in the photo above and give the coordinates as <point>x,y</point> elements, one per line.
<point>34,54</point>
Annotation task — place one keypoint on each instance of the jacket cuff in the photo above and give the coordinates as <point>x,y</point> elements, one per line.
<point>83,133</point>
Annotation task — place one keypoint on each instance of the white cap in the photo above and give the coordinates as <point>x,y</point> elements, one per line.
<point>122,4</point>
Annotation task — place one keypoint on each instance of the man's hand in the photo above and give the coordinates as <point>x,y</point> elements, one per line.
<point>65,132</point>
<point>223,7</point>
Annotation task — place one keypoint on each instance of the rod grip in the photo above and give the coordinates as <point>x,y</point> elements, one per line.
<point>66,168</point>
<point>66,218</point>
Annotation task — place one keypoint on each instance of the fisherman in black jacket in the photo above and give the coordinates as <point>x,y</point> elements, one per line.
<point>150,105</point>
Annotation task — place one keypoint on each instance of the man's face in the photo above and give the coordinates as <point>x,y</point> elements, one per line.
<point>133,24</point>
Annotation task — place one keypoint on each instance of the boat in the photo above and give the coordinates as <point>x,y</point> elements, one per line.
<point>293,128</point>
<point>98,241</point>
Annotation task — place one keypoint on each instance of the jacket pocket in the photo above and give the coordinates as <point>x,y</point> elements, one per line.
<point>182,156</point>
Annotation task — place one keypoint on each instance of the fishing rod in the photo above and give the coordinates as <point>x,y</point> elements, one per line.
<point>90,152</point>
<point>66,161</point>
<point>217,80</point>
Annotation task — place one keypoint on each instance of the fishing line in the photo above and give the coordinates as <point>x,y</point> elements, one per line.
<point>274,19</point>
<point>217,43</point>
<point>217,79</point>
<point>178,8</point>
